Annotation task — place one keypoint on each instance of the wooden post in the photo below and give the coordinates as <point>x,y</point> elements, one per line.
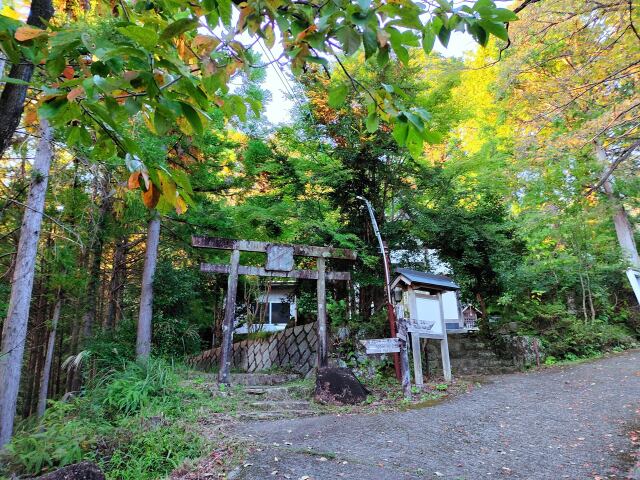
<point>226,353</point>
<point>390,311</point>
<point>404,354</point>
<point>444,343</point>
<point>417,358</point>
<point>322,315</point>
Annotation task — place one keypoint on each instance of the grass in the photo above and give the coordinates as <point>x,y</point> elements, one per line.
<point>386,396</point>
<point>136,423</point>
<point>145,422</point>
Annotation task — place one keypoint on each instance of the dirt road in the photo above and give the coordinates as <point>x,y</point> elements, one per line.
<point>572,422</point>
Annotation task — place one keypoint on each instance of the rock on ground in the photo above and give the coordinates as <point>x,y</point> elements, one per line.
<point>78,471</point>
<point>339,385</point>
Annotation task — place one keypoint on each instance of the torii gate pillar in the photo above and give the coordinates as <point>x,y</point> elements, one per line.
<point>279,264</point>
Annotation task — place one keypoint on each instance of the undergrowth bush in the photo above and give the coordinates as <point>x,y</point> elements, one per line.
<point>61,441</point>
<point>157,450</point>
<point>575,339</point>
<point>134,421</point>
<point>128,391</point>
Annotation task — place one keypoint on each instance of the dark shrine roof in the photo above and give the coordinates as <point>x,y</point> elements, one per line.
<point>440,282</point>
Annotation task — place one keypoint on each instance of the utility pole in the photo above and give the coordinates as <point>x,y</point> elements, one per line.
<point>391,314</point>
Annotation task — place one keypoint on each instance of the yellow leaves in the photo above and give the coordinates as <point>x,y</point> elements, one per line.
<point>27,32</point>
<point>269,36</point>
<point>205,44</point>
<point>242,19</point>
<point>181,206</point>
<point>7,11</point>
<point>30,116</point>
<point>168,187</point>
<point>158,76</point>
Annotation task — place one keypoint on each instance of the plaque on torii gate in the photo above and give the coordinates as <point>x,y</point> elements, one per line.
<point>280,263</point>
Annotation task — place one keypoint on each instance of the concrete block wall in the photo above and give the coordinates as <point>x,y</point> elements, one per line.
<point>293,348</point>
<point>472,355</point>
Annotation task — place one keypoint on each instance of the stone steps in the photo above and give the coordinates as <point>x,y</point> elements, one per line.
<point>278,392</point>
<point>262,379</point>
<point>280,405</point>
<point>275,415</point>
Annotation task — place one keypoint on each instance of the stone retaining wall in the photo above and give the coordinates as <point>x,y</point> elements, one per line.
<point>293,348</point>
<point>472,355</point>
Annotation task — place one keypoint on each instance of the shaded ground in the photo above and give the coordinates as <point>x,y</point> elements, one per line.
<point>576,422</point>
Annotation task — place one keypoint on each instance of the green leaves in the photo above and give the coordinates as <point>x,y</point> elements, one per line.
<point>372,122</point>
<point>192,117</point>
<point>145,37</point>
<point>15,81</point>
<point>349,39</point>
<point>337,95</point>
<point>177,28</point>
<point>497,29</point>
<point>224,11</point>
<point>410,131</point>
<point>147,65</point>
<point>428,40</point>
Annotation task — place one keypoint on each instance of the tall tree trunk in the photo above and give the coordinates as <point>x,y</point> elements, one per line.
<point>48,360</point>
<point>116,284</point>
<point>97,245</point>
<point>33,342</point>
<point>55,383</point>
<point>143,341</point>
<point>73,377</point>
<point>15,325</point>
<point>13,96</point>
<point>2,54</point>
<point>624,229</point>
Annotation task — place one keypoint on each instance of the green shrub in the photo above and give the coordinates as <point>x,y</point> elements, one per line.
<point>153,453</point>
<point>56,445</point>
<point>134,421</point>
<point>129,391</point>
<point>573,339</point>
<point>61,438</point>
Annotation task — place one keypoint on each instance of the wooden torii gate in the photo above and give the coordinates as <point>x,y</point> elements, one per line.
<point>279,264</point>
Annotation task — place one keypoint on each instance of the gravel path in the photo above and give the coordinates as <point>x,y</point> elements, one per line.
<point>569,422</point>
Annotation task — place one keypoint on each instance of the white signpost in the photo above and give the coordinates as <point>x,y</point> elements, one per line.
<point>381,345</point>
<point>634,279</point>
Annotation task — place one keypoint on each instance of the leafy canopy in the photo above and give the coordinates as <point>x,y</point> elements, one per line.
<point>169,62</point>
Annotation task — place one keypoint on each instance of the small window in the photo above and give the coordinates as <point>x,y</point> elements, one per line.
<point>280,312</point>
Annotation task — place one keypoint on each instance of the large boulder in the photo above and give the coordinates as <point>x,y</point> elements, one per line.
<point>77,471</point>
<point>339,385</point>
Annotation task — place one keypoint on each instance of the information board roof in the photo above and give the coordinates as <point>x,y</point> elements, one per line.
<point>425,279</point>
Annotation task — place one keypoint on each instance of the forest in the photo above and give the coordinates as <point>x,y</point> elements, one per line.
<point>126,127</point>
